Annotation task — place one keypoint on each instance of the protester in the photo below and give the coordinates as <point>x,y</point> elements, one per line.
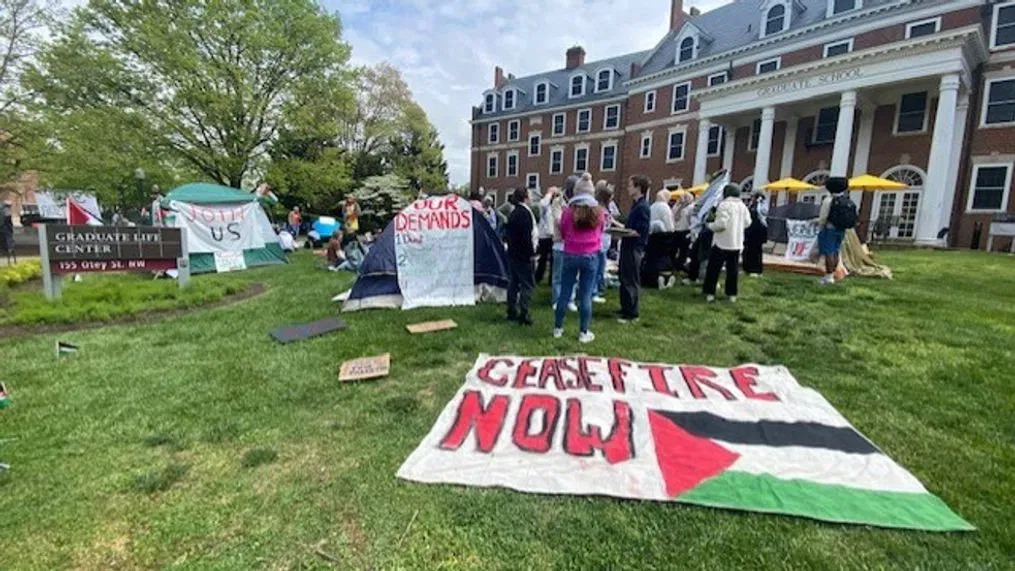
<point>286,241</point>
<point>556,212</point>
<point>731,221</point>
<point>351,213</point>
<point>295,220</point>
<point>545,248</point>
<point>490,213</point>
<point>632,250</point>
<point>756,236</point>
<point>335,255</point>
<point>476,200</point>
<point>604,196</point>
<point>354,252</point>
<point>682,212</point>
<point>581,227</point>
<point>521,241</point>
<point>838,214</point>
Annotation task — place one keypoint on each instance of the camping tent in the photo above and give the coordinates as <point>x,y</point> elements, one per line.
<point>226,227</point>
<point>424,249</point>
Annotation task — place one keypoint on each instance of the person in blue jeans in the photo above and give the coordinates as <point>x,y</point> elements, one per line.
<point>581,227</point>
<point>604,195</point>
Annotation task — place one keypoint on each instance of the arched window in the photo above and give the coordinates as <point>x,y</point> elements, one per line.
<point>816,178</point>
<point>894,214</point>
<point>686,50</point>
<point>775,22</point>
<point>746,185</point>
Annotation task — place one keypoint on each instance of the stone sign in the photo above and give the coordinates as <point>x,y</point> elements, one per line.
<point>827,78</point>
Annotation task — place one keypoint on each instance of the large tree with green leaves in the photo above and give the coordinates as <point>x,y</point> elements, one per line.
<point>209,82</point>
<point>417,153</point>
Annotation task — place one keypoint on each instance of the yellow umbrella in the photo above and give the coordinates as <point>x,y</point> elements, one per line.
<point>696,190</point>
<point>789,184</point>
<point>871,182</point>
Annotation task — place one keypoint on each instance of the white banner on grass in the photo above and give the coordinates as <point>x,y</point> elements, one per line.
<point>434,253</point>
<point>229,262</point>
<point>221,228</point>
<point>803,238</point>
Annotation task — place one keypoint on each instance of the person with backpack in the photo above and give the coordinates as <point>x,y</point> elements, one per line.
<point>837,214</point>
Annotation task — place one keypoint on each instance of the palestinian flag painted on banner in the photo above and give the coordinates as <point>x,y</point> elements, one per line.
<point>78,215</point>
<point>62,349</point>
<point>747,438</point>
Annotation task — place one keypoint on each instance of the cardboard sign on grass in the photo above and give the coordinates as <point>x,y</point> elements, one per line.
<point>747,438</point>
<point>431,326</point>
<point>366,368</point>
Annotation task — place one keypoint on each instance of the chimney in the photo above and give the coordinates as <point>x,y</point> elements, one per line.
<point>677,15</point>
<point>635,68</point>
<point>695,12</point>
<point>498,77</point>
<point>575,57</point>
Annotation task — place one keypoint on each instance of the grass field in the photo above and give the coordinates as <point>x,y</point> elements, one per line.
<point>199,443</point>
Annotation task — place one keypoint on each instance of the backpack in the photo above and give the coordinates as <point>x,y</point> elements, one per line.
<point>842,213</point>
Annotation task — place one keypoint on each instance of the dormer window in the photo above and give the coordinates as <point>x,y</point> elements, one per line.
<point>490,105</point>
<point>775,20</point>
<point>577,85</point>
<point>541,94</point>
<point>604,80</point>
<point>509,99</point>
<point>836,7</point>
<point>685,52</point>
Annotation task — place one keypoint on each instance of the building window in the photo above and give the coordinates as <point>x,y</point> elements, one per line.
<point>1003,33</point>
<point>535,145</point>
<point>646,146</point>
<point>577,85</point>
<point>989,192</point>
<point>752,141</point>
<point>650,101</point>
<point>494,135</point>
<point>912,114</point>
<point>769,65</point>
<point>839,48</point>
<point>681,97</point>
<point>584,121</point>
<point>686,51</point>
<point>675,148</point>
<point>541,94</point>
<point>491,166</point>
<point>512,163</point>
<point>604,80</point>
<point>491,103</point>
<point>611,120</point>
<point>923,28</point>
<point>999,108</point>
<point>509,99</point>
<point>715,140</point>
<point>825,124</point>
<point>581,159</point>
<point>532,181</point>
<point>559,124</point>
<point>608,160</point>
<point>775,21</point>
<point>718,78</point>
<point>840,6</point>
<point>513,128</point>
<point>556,161</point>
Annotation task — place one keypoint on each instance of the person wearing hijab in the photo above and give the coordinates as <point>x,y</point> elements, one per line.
<point>682,211</point>
<point>658,268</point>
<point>756,236</point>
<point>731,221</point>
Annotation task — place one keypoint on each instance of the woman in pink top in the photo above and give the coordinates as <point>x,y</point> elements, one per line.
<point>581,228</point>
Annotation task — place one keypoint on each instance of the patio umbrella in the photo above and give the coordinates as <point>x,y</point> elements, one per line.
<point>872,183</point>
<point>696,190</point>
<point>789,184</point>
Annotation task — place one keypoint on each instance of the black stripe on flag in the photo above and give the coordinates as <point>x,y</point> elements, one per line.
<point>771,432</point>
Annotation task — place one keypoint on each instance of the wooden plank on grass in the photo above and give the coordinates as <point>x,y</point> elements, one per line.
<point>365,368</point>
<point>431,326</point>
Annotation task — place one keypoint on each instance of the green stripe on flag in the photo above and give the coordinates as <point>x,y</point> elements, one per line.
<point>827,502</point>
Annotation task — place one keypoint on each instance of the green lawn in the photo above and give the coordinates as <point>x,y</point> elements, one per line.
<point>198,442</point>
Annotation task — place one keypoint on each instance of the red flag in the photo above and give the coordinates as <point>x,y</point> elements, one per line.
<point>78,215</point>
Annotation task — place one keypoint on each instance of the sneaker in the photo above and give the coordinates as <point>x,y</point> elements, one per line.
<point>626,320</point>
<point>662,282</point>
<point>685,281</point>
<point>558,333</point>
<point>733,299</point>
<point>572,307</point>
<point>755,276</point>
<point>599,299</point>
<point>826,281</point>
<point>671,282</point>
<point>710,299</point>
<point>586,337</point>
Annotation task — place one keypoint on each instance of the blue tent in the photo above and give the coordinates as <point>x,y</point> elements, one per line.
<point>377,285</point>
<point>325,226</point>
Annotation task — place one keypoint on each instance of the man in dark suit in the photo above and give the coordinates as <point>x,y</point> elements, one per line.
<point>632,249</point>
<point>521,242</point>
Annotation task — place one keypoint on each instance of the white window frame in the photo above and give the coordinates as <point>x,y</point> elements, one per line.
<point>787,11</point>
<point>606,116</point>
<point>655,101</point>
<point>535,93</point>
<point>602,156</point>
<point>641,146</point>
<point>599,72</point>
<point>581,147</point>
<point>490,139</point>
<point>578,121</point>
<point>718,147</point>
<point>936,21</point>
<point>570,85</point>
<point>778,65</point>
<point>539,137</point>
<point>528,177</point>
<point>817,119</point>
<point>490,103</point>
<point>830,8</point>
<point>507,164</point>
<point>750,135</point>
<point>683,146</point>
<point>518,131</point>
<point>898,115</point>
<point>993,27</point>
<point>673,98</point>
<point>694,47</point>
<point>563,125</point>
<point>514,99</point>
<point>725,75</point>
<point>553,151</point>
<point>848,42</point>
<point>1005,197</point>
<point>986,101</point>
<point>496,165</point>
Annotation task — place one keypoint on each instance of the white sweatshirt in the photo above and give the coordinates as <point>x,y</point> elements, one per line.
<point>731,220</point>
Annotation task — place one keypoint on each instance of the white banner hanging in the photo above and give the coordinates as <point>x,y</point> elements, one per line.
<point>220,228</point>
<point>434,253</point>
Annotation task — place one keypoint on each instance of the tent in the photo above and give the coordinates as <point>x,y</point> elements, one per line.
<point>378,282</point>
<point>227,229</point>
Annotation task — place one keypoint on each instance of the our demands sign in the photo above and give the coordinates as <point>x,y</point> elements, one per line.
<point>82,249</point>
<point>746,438</point>
<point>434,253</point>
<point>226,228</point>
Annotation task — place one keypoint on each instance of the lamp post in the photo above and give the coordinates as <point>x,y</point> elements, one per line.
<point>139,174</point>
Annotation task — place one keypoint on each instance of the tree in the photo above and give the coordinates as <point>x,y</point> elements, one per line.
<point>207,81</point>
<point>380,198</point>
<point>379,111</point>
<point>418,155</point>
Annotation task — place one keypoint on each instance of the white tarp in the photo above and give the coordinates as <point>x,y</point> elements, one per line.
<point>803,239</point>
<point>221,228</point>
<point>434,253</point>
<point>53,204</point>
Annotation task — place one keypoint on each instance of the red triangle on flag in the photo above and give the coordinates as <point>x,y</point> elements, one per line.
<point>685,460</point>
<point>77,215</point>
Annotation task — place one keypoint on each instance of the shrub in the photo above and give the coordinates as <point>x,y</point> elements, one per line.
<point>20,273</point>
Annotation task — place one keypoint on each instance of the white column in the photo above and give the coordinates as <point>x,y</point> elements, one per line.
<point>763,158</point>
<point>843,134</point>
<point>788,151</point>
<point>931,218</point>
<point>951,186</point>
<point>701,153</point>
<point>731,144</point>
<point>864,138</point>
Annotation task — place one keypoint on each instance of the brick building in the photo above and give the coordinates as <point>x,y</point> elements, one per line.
<point>920,91</point>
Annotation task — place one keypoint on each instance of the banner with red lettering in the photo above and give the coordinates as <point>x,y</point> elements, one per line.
<point>434,253</point>
<point>747,438</point>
